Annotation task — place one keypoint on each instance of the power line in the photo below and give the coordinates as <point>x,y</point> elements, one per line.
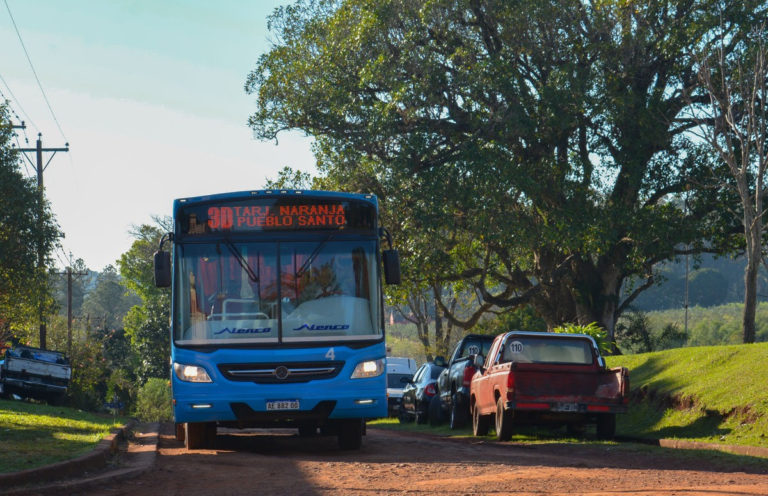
<point>39,84</point>
<point>16,100</point>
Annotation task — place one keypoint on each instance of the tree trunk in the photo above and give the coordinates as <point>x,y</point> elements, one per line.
<point>750,282</point>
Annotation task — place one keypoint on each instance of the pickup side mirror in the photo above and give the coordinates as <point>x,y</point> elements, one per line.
<point>479,361</point>
<point>162,269</point>
<point>601,362</point>
<point>391,260</point>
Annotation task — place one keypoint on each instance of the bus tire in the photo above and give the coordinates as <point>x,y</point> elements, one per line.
<point>199,435</point>
<point>350,434</point>
<point>180,431</point>
<point>307,429</point>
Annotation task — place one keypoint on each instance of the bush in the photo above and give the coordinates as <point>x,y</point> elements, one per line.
<point>595,331</point>
<point>153,403</point>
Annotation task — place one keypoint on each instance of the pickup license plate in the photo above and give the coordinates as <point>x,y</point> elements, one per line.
<point>283,405</point>
<point>565,407</point>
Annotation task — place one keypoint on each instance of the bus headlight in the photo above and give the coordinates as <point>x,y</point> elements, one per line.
<point>369,368</point>
<point>191,373</point>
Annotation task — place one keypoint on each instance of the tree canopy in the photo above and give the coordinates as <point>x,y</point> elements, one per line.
<point>146,323</point>
<point>26,227</point>
<point>538,151</point>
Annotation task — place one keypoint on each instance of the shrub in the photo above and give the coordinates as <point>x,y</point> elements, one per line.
<point>595,331</point>
<point>153,403</point>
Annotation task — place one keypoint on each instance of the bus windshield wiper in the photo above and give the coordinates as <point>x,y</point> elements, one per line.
<point>313,255</point>
<point>242,261</point>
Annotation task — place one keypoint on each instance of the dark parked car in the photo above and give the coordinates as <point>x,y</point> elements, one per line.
<point>453,383</point>
<point>419,392</point>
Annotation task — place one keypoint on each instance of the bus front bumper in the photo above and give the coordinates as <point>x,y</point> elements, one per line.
<point>280,407</point>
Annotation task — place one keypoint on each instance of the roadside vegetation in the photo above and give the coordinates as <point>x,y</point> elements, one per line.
<point>34,435</point>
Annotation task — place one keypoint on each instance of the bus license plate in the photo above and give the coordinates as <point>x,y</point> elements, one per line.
<point>566,407</point>
<point>283,405</point>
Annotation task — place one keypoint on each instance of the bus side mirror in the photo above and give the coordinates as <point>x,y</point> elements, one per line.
<point>391,266</point>
<point>162,269</point>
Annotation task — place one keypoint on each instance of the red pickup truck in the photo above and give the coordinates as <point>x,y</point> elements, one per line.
<point>541,377</point>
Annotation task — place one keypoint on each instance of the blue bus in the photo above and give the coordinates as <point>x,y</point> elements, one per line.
<point>277,313</point>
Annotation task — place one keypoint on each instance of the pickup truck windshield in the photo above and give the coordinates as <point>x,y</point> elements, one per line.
<point>525,349</point>
<point>275,292</point>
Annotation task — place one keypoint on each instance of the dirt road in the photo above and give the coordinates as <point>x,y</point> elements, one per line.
<point>279,462</point>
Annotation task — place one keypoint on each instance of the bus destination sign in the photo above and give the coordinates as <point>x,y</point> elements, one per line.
<point>265,217</point>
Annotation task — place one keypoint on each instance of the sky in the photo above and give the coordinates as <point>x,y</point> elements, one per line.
<point>150,97</point>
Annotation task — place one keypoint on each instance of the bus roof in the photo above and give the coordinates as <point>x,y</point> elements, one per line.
<point>274,193</point>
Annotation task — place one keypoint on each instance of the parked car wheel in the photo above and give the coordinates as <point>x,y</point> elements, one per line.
<point>480,423</point>
<point>458,415</point>
<point>435,411</point>
<point>504,419</point>
<point>422,414</point>
<point>403,417</point>
<point>606,426</point>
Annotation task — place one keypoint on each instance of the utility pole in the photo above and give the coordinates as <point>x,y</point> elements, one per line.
<point>38,151</point>
<point>69,275</point>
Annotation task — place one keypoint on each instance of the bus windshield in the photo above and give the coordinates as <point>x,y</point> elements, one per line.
<point>232,292</point>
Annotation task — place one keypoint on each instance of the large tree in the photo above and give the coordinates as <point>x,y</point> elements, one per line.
<point>536,149</point>
<point>147,324</point>
<point>734,123</point>
<point>27,228</point>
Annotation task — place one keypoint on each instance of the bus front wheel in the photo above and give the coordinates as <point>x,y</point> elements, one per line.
<point>350,434</point>
<point>199,435</point>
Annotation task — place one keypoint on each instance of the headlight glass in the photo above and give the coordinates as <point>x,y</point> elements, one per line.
<point>191,373</point>
<point>369,368</point>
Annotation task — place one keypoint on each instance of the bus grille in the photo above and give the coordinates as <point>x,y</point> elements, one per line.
<point>280,373</point>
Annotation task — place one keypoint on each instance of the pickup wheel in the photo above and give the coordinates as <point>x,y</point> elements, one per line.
<point>458,417</point>
<point>504,420</point>
<point>480,423</point>
<point>606,426</point>
<point>435,411</point>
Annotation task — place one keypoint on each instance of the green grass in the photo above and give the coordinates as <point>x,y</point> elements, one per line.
<point>33,435</point>
<point>714,394</point>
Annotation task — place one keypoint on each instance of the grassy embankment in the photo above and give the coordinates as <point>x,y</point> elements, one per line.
<point>712,394</point>
<point>33,435</point>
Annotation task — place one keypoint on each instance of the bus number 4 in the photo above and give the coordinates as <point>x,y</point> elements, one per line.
<point>331,355</point>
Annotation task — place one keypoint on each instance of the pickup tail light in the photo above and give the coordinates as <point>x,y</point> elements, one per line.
<point>510,386</point>
<point>430,390</point>
<point>469,371</point>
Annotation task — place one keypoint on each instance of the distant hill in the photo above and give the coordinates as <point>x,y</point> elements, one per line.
<point>711,281</point>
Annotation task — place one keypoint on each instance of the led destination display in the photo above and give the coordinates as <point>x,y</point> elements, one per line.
<point>269,215</point>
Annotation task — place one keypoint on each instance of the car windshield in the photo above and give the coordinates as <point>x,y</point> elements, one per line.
<point>235,292</point>
<point>395,380</point>
<point>473,346</point>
